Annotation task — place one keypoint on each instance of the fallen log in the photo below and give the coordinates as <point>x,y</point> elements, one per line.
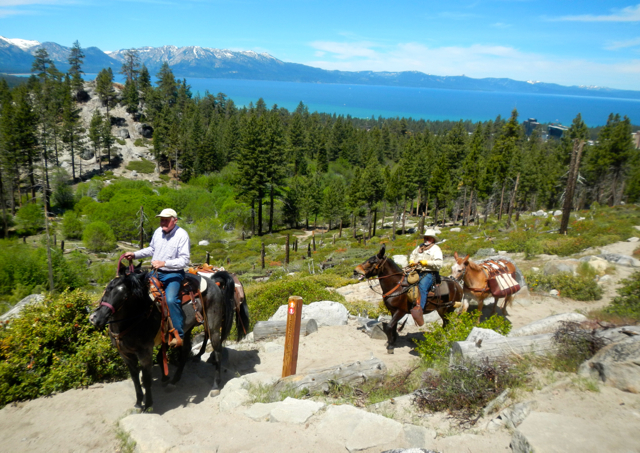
<point>316,381</point>
<point>547,325</point>
<point>269,329</point>
<point>499,348</point>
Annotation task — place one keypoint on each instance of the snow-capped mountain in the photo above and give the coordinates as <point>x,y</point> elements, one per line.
<point>16,56</point>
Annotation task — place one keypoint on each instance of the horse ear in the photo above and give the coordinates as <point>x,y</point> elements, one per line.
<point>139,265</point>
<point>466,260</point>
<point>381,252</point>
<point>122,270</point>
<point>455,255</point>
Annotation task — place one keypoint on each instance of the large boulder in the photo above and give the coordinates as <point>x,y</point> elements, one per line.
<point>326,313</point>
<point>622,260</point>
<point>117,121</point>
<point>17,308</point>
<point>483,253</point>
<point>122,133</point>
<point>144,130</point>
<point>561,267</point>
<point>599,264</point>
<point>616,365</point>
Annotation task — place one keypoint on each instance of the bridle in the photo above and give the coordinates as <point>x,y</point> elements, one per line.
<point>374,274</point>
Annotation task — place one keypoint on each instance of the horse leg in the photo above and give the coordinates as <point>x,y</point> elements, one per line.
<point>146,363</point>
<point>495,305</point>
<point>216,356</point>
<point>134,370</point>
<point>507,302</point>
<point>184,356</point>
<point>480,307</point>
<point>392,331</point>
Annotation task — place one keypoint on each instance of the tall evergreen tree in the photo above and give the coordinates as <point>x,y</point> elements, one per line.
<point>76,58</point>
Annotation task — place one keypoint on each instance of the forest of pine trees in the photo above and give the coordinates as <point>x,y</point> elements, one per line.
<point>309,167</point>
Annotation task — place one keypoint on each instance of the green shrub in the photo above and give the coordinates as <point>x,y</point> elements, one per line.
<point>85,206</point>
<point>574,287</point>
<point>30,219</point>
<point>141,166</point>
<point>627,303</point>
<point>99,237</point>
<point>71,225</point>
<point>89,189</point>
<point>265,299</point>
<point>62,195</point>
<point>52,347</point>
<point>121,141</point>
<point>437,339</point>
<point>140,142</point>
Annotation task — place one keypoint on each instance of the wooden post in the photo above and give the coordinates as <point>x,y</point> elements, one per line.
<point>313,239</point>
<point>309,251</point>
<point>574,168</point>
<point>62,245</point>
<point>292,337</point>
<point>54,240</point>
<point>340,234</point>
<point>286,256</point>
<point>375,221</point>
<point>243,235</point>
<point>364,237</point>
<point>228,261</point>
<point>334,239</point>
<point>208,257</point>
<point>262,255</point>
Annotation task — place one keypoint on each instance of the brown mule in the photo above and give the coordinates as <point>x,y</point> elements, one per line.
<point>393,283</point>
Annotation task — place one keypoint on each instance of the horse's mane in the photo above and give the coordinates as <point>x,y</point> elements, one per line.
<point>474,266</point>
<point>136,284</point>
<point>394,265</point>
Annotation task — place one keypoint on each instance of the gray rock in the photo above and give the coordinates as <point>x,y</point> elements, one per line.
<point>617,334</point>
<point>547,325</point>
<point>203,242</point>
<point>455,230</point>
<point>622,260</point>
<point>400,260</point>
<point>87,154</point>
<point>483,253</point>
<point>134,173</point>
<point>418,436</point>
<point>554,292</point>
<point>616,365</point>
<point>633,239</point>
<point>539,213</point>
<point>295,411</point>
<point>357,429</point>
<point>512,416</point>
<point>558,212</point>
<point>599,264</point>
<point>17,308</point>
<point>502,252</point>
<point>326,313</point>
<point>151,433</point>
<point>547,432</point>
<point>144,129</point>
<point>478,333</point>
<point>233,394</point>
<point>122,133</point>
<point>605,279</point>
<point>560,267</point>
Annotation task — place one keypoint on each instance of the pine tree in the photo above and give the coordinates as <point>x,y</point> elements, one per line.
<point>76,58</point>
<point>95,136</point>
<point>41,63</point>
<point>333,206</point>
<point>72,129</point>
<point>25,129</point>
<point>275,168</point>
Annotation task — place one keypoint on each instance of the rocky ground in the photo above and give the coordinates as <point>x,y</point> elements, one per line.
<point>565,415</point>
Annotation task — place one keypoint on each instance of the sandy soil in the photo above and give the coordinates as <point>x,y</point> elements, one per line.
<point>86,419</point>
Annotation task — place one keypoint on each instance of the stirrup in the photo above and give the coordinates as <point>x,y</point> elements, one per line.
<point>176,341</point>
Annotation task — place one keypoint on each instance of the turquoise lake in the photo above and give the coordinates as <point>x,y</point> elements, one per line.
<point>365,101</point>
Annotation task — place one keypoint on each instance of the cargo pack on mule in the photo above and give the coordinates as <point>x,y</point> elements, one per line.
<point>399,292</point>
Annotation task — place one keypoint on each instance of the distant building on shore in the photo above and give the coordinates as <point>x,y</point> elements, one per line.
<point>557,130</point>
<point>636,139</point>
<point>530,125</point>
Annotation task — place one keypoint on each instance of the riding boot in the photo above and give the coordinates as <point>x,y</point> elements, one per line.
<point>416,312</point>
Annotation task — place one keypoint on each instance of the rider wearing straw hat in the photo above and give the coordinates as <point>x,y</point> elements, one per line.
<point>169,249</point>
<point>427,260</point>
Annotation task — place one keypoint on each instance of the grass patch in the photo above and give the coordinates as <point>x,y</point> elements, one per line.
<point>121,141</point>
<point>574,287</point>
<point>435,346</point>
<point>141,142</point>
<point>464,389</point>
<point>141,166</point>
<point>126,443</point>
<point>627,303</point>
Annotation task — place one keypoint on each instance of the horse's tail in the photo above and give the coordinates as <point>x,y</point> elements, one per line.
<point>228,288</point>
<point>242,319</point>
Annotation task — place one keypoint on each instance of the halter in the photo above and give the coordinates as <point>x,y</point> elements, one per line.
<point>377,270</point>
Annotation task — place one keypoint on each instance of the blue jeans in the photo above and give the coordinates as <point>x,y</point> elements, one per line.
<point>426,282</point>
<point>171,282</point>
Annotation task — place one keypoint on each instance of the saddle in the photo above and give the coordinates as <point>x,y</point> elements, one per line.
<point>191,290</point>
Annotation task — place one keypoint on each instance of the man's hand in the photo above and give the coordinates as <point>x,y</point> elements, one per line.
<point>157,264</point>
<point>129,255</point>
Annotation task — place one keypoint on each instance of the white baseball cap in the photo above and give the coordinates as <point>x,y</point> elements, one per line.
<point>168,213</point>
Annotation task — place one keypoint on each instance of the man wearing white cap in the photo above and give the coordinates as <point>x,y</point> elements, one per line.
<point>169,249</point>
<point>427,259</point>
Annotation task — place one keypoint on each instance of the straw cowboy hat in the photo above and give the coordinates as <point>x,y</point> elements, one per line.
<point>431,233</point>
<point>168,213</point>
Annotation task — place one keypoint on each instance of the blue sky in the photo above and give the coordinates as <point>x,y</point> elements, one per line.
<point>565,42</point>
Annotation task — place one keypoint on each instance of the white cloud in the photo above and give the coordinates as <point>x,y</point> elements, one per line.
<point>623,44</point>
<point>478,61</point>
<point>628,14</point>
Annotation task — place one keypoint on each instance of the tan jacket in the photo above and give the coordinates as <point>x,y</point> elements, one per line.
<point>433,257</point>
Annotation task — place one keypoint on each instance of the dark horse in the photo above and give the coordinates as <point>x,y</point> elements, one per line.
<point>393,283</point>
<point>134,325</point>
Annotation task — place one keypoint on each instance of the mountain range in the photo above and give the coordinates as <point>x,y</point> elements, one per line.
<point>16,57</point>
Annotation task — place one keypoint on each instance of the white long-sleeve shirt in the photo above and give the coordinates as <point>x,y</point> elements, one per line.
<point>433,256</point>
<point>173,248</point>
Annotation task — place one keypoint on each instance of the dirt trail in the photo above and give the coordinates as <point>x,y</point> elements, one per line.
<point>86,420</point>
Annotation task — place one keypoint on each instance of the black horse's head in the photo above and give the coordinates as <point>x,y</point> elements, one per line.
<point>371,267</point>
<point>121,293</point>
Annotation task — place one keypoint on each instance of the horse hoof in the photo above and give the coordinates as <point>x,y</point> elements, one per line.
<point>214,392</point>
<point>389,350</point>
